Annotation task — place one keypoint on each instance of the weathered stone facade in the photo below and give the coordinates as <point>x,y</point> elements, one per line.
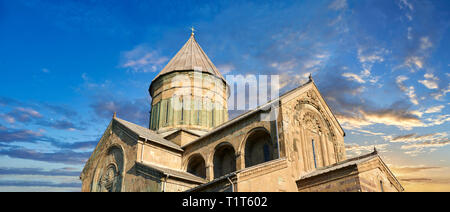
<point>300,149</point>
<point>189,93</point>
<point>366,173</point>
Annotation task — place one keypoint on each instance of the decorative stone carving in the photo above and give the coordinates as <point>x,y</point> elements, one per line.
<point>310,99</point>
<point>109,178</point>
<point>313,100</point>
<point>311,121</point>
<point>312,95</point>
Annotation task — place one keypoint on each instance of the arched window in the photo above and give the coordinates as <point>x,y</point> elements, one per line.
<point>266,152</point>
<point>109,177</point>
<point>258,148</point>
<point>314,153</point>
<point>198,117</point>
<point>224,161</point>
<point>212,117</point>
<point>196,166</point>
<point>167,111</point>
<point>182,108</point>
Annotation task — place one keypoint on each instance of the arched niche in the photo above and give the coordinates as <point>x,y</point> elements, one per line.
<point>196,166</point>
<point>224,160</point>
<point>258,148</point>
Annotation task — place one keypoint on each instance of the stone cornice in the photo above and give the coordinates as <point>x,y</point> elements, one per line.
<point>262,169</point>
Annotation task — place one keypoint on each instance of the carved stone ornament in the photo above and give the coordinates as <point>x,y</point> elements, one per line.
<point>311,121</point>
<point>312,95</point>
<point>313,100</point>
<point>109,177</point>
<point>310,99</point>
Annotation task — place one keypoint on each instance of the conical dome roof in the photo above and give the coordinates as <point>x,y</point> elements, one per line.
<point>190,57</point>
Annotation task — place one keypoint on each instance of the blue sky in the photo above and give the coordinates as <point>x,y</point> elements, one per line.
<point>383,67</point>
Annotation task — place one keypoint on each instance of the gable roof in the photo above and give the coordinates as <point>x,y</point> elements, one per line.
<point>190,57</point>
<point>340,165</point>
<point>147,134</point>
<point>354,162</point>
<point>197,133</point>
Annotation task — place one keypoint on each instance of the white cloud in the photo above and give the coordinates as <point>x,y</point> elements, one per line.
<point>401,119</point>
<point>409,35</point>
<point>294,72</point>
<point>429,84</point>
<point>8,118</point>
<point>416,144</point>
<point>142,59</point>
<point>430,81</point>
<point>368,57</point>
<point>338,5</point>
<point>427,144</point>
<point>226,68</point>
<point>371,57</point>
<point>30,112</point>
<point>370,132</point>
<point>430,76</point>
<point>425,43</point>
<point>405,4</point>
<point>314,63</point>
<point>409,91</point>
<point>284,66</point>
<point>417,113</point>
<point>414,61</point>
<point>411,138</point>
<point>290,78</point>
<point>89,84</point>
<point>438,120</point>
<point>354,77</point>
<point>441,93</point>
<point>435,109</point>
<point>356,149</point>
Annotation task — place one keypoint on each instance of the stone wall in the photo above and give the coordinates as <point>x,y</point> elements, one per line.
<point>189,100</point>
<point>178,185</point>
<point>346,184</point>
<point>366,176</point>
<point>375,178</point>
<point>159,155</point>
<point>148,181</point>
<point>131,179</point>
<point>309,135</point>
<point>115,136</point>
<point>235,136</point>
<point>272,176</point>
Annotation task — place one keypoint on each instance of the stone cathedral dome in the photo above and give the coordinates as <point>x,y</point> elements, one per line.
<point>189,93</point>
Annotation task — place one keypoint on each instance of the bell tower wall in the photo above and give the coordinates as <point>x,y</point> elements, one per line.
<point>188,100</point>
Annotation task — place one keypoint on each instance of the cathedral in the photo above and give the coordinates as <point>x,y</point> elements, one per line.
<point>292,143</point>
